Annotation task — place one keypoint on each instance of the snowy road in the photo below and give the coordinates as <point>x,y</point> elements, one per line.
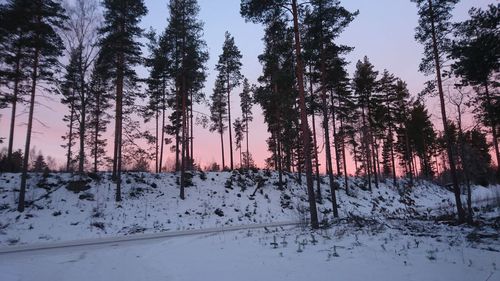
<point>115,241</point>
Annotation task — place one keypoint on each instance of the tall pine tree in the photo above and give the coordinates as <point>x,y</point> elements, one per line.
<point>229,68</point>
<point>120,52</point>
<point>433,31</point>
<point>42,18</point>
<point>263,11</point>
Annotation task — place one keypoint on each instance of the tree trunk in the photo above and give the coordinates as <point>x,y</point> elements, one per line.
<point>187,158</point>
<point>456,188</point>
<point>183,143</point>
<point>24,175</point>
<point>81,155</point>
<point>392,157</point>
<point>303,116</point>
<point>315,145</point>
<point>97,128</point>
<point>372,150</point>
<point>342,142</point>
<point>177,133</point>
<point>221,131</point>
<point>157,136</point>
<point>493,128</point>
<point>247,160</point>
<point>365,141</point>
<point>328,153</point>
<point>280,165</point>
<point>70,136</point>
<point>162,145</point>
<point>409,157</point>
<point>229,120</point>
<point>316,161</point>
<point>119,125</point>
<point>191,136</point>
<point>465,167</point>
<point>14,108</point>
<point>335,142</point>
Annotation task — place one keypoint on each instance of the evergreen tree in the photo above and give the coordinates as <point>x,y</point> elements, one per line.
<point>218,113</point>
<point>14,58</point>
<point>239,129</point>
<point>157,83</point>
<point>246,103</point>
<point>263,11</point>
<point>39,165</point>
<point>187,70</point>
<point>422,137</point>
<point>120,52</point>
<point>433,31</point>
<point>477,156</point>
<point>324,24</point>
<point>68,88</point>
<point>402,145</point>
<point>229,68</point>
<point>277,96</point>
<point>42,18</point>
<point>99,97</point>
<point>477,55</point>
<point>389,110</point>
<point>364,83</point>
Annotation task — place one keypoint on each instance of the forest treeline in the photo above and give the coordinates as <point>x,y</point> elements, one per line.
<point>88,52</point>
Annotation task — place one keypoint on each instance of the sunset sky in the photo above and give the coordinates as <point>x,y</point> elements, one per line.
<point>383,31</point>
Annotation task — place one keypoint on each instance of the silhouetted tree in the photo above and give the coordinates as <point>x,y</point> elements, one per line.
<point>42,18</point>
<point>229,68</point>
<point>262,11</point>
<point>120,52</point>
<point>246,103</point>
<point>477,55</point>
<point>433,31</point>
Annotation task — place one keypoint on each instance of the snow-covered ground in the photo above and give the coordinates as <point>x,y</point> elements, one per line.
<point>344,252</point>
<point>387,234</point>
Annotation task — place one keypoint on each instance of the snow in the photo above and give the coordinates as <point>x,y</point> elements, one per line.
<point>386,234</point>
<point>340,253</point>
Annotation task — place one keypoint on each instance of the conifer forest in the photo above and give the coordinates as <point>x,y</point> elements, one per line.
<point>249,139</point>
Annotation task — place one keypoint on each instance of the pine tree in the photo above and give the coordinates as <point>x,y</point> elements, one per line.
<point>239,129</point>
<point>364,83</point>
<point>187,70</point>
<point>277,96</point>
<point>477,55</point>
<point>389,110</point>
<point>218,113</point>
<point>14,58</point>
<point>120,52</point>
<point>157,92</point>
<point>39,165</point>
<point>68,88</point>
<point>325,23</point>
<point>229,68</point>
<point>343,107</point>
<point>402,145</point>
<point>422,137</point>
<point>246,103</point>
<point>432,31</point>
<point>42,18</point>
<point>99,97</point>
<point>262,11</point>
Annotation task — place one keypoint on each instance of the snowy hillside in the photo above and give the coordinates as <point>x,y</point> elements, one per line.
<point>151,204</point>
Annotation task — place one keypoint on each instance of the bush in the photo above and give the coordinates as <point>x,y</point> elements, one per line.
<point>78,186</point>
